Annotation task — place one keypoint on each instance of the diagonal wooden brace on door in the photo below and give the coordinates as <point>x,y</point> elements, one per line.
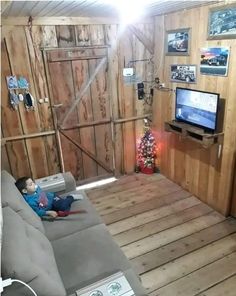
<point>83,91</point>
<point>104,166</point>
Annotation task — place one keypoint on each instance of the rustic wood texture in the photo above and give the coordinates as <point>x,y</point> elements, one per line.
<point>61,78</point>
<point>233,204</point>
<point>176,243</point>
<point>65,36</point>
<point>199,170</point>
<point>107,98</point>
<point>23,122</point>
<point>85,113</point>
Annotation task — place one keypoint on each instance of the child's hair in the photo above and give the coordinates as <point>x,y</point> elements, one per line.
<point>21,183</point>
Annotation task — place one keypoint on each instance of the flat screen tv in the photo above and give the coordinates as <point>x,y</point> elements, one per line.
<point>197,107</point>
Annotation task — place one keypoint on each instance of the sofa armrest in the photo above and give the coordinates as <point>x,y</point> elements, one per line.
<point>70,184</point>
<point>61,183</point>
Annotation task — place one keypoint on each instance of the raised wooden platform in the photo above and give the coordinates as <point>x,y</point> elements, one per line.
<point>177,244</point>
<point>194,133</point>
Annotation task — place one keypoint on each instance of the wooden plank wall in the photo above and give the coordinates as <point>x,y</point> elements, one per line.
<point>199,170</point>
<point>40,154</point>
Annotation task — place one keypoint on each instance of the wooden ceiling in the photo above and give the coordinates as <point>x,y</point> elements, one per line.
<point>89,8</point>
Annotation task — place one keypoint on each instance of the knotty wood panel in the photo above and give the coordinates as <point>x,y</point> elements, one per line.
<point>199,170</point>
<point>30,121</point>
<point>120,98</point>
<point>75,54</point>
<point>112,39</point>
<point>18,154</point>
<point>101,110</point>
<point>127,104</point>
<point>61,77</point>
<point>37,68</point>
<point>11,124</point>
<point>65,36</point>
<point>85,113</point>
<point>82,35</point>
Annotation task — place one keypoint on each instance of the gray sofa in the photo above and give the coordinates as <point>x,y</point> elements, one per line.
<point>56,258</point>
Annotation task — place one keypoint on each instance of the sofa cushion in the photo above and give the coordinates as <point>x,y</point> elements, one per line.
<point>12,198</point>
<point>65,226</point>
<point>28,255</point>
<point>83,256</point>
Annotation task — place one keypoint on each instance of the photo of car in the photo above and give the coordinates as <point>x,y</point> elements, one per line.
<point>217,61</point>
<point>177,42</point>
<point>222,22</point>
<point>183,73</point>
<point>214,61</point>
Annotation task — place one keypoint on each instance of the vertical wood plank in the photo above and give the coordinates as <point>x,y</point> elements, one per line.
<point>85,113</point>
<point>43,36</point>
<point>97,34</point>
<point>82,35</point>
<point>11,124</point>
<point>18,158</point>
<point>65,36</point>
<point>126,100</point>
<point>63,92</point>
<point>112,39</point>
<point>101,110</point>
<point>38,75</point>
<point>48,36</point>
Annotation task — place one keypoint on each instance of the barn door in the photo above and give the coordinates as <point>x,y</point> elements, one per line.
<point>79,95</point>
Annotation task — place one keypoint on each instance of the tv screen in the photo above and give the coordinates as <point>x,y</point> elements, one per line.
<point>197,107</point>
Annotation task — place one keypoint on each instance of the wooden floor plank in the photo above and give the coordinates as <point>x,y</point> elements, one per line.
<point>156,226</point>
<point>125,183</point>
<point>144,206</point>
<point>152,215</point>
<point>160,239</point>
<point>201,279</point>
<point>225,288</point>
<point>178,245</point>
<point>183,246</point>
<point>180,267</point>
<point>113,202</point>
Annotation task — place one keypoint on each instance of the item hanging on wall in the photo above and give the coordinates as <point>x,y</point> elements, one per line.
<point>23,83</point>
<point>146,152</point>
<point>12,82</point>
<point>20,97</point>
<point>14,99</point>
<point>214,61</point>
<point>28,101</point>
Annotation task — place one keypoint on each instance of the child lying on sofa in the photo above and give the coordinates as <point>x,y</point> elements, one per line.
<point>45,203</point>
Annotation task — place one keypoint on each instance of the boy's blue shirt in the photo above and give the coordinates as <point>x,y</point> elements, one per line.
<point>33,201</point>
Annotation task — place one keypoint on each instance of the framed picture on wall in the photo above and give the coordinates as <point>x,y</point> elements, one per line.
<point>177,42</point>
<point>214,61</point>
<point>222,22</point>
<point>183,73</point>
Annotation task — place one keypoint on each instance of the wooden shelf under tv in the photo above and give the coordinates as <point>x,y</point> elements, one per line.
<point>194,133</point>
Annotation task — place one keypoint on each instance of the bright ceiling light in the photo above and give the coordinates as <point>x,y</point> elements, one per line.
<point>129,10</point>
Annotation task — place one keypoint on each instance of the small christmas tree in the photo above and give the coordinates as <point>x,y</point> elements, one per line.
<point>146,152</point>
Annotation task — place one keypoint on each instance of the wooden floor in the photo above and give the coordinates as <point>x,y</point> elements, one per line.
<point>177,244</point>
